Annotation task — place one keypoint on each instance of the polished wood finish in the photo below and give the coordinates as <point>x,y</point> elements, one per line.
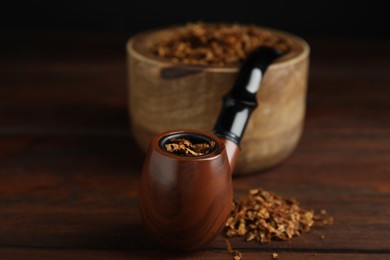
<point>185,201</point>
<point>70,171</point>
<point>165,96</point>
<point>233,152</point>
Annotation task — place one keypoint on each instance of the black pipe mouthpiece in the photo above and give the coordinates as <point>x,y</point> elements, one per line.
<point>239,103</point>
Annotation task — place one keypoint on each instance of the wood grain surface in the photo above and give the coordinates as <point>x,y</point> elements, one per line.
<point>185,201</point>
<point>69,169</point>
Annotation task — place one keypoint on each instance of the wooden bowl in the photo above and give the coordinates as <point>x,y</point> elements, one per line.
<point>164,96</point>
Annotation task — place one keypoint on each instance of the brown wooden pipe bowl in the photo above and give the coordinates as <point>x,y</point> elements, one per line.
<point>185,201</point>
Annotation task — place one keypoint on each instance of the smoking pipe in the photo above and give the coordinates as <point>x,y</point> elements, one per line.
<point>185,201</point>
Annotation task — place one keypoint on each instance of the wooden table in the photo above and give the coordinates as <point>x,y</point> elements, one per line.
<point>69,169</point>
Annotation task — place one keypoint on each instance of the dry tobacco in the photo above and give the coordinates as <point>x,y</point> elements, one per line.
<point>236,254</point>
<point>263,216</point>
<point>183,146</point>
<point>215,44</point>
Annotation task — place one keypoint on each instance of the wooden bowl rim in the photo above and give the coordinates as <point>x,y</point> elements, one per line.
<point>288,60</point>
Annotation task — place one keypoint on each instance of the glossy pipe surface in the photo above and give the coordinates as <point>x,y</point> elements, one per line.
<point>239,103</point>
<point>185,201</point>
<point>232,151</point>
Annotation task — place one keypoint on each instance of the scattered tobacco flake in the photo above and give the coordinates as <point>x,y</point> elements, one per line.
<point>263,216</point>
<point>236,254</point>
<point>215,44</point>
<point>323,218</point>
<point>182,146</point>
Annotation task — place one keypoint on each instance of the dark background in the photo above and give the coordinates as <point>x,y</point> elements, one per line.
<point>306,18</point>
<point>69,170</point>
